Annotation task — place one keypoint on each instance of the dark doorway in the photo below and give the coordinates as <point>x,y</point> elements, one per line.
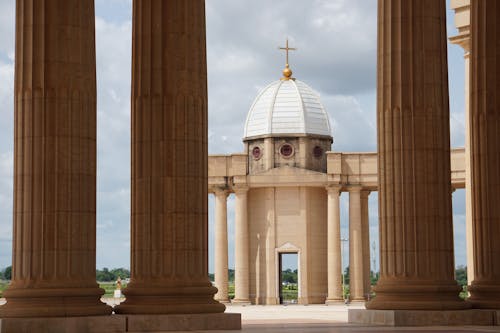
<point>288,283</point>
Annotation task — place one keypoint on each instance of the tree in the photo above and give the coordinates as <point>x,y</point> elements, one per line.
<point>6,274</point>
<point>461,275</point>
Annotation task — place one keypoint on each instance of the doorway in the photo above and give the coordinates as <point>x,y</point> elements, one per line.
<point>288,285</point>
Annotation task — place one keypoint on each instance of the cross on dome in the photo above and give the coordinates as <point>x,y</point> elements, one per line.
<point>287,72</point>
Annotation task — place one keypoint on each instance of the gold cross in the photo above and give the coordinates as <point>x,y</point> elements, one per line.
<point>287,49</point>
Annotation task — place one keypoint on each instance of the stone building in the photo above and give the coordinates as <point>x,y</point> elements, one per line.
<point>54,177</point>
<point>287,185</point>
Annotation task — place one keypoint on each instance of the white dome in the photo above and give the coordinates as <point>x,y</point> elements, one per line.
<point>287,107</point>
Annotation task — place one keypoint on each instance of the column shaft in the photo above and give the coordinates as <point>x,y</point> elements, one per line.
<point>416,232</point>
<point>241,247</point>
<point>356,285</point>
<point>169,255</point>
<point>335,293</point>
<point>365,234</point>
<point>54,162</point>
<point>221,269</point>
<point>484,123</point>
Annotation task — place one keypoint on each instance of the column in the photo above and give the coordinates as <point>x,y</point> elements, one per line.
<point>221,273</point>
<point>241,246</point>
<point>335,292</point>
<point>356,285</point>
<point>416,232</point>
<point>54,163</point>
<point>365,235</point>
<point>169,252</point>
<point>485,151</point>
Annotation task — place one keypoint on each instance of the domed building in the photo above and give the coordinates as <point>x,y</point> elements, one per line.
<point>281,199</point>
<point>287,185</point>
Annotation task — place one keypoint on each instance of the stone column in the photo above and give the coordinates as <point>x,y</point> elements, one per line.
<point>54,163</point>
<point>356,285</point>
<point>169,255</point>
<point>241,247</point>
<point>485,151</point>
<point>221,273</point>
<point>365,235</point>
<point>335,293</point>
<point>416,232</point>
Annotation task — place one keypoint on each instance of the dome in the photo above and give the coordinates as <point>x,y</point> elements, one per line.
<point>287,107</point>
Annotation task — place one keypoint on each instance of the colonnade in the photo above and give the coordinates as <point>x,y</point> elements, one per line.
<point>55,163</point>
<point>359,244</point>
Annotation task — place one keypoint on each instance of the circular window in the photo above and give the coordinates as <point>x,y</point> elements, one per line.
<point>256,153</point>
<point>286,150</point>
<point>317,151</point>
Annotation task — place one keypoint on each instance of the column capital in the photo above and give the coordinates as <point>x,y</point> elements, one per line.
<point>354,188</point>
<point>240,189</point>
<point>365,193</point>
<point>333,188</point>
<point>220,191</point>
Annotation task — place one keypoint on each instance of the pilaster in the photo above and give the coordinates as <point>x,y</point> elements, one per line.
<point>241,246</point>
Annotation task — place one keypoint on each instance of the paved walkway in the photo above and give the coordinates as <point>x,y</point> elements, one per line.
<point>315,319</point>
<point>320,319</point>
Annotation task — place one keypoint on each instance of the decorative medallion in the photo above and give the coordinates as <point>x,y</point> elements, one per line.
<point>256,153</point>
<point>286,150</point>
<point>317,151</point>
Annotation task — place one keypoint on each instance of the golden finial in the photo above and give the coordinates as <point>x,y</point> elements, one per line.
<point>287,72</point>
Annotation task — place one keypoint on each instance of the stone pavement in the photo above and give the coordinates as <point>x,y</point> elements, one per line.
<point>321,319</point>
<point>315,319</point>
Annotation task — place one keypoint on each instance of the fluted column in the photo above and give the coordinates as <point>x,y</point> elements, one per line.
<point>365,235</point>
<point>356,285</point>
<point>221,273</point>
<point>54,162</point>
<point>485,152</point>
<point>241,246</point>
<point>169,255</point>
<point>335,293</point>
<point>416,232</point>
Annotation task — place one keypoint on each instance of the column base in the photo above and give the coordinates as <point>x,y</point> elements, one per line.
<point>415,295</point>
<point>183,322</point>
<point>484,295</point>
<point>223,301</point>
<point>241,302</point>
<point>421,317</point>
<point>98,324</point>
<point>332,301</point>
<point>53,302</point>
<point>172,300</point>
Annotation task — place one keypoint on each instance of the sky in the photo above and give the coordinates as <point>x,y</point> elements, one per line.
<point>336,56</point>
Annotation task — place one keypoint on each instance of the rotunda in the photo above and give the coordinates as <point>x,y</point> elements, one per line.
<point>287,125</point>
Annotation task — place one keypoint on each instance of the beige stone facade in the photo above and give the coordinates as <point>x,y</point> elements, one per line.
<point>292,209</point>
<point>286,191</point>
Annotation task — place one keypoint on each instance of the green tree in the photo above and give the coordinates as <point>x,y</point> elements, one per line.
<point>289,276</point>
<point>104,275</point>
<point>461,275</point>
<point>6,274</point>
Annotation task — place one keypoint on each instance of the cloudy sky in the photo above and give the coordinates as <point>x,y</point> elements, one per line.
<point>336,56</point>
